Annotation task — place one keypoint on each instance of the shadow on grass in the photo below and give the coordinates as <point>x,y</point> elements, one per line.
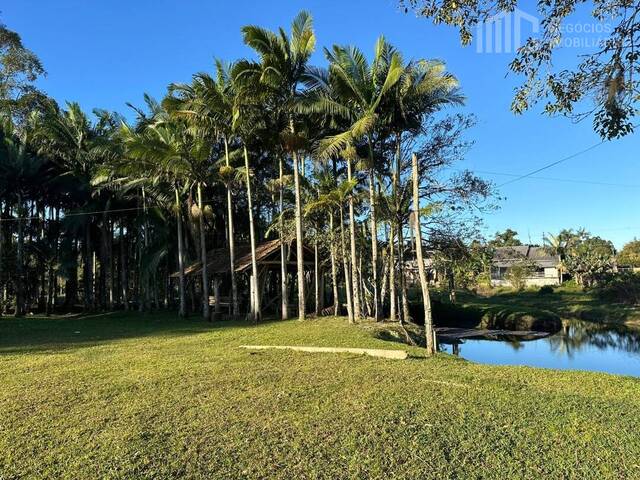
<point>33,334</point>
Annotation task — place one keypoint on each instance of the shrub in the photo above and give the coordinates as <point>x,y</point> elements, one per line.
<point>518,273</point>
<point>493,317</point>
<point>545,290</point>
<point>621,287</point>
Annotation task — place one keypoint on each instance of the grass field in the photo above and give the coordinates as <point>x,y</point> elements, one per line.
<point>120,396</point>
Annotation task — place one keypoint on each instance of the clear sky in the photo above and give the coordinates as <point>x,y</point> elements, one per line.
<point>105,53</point>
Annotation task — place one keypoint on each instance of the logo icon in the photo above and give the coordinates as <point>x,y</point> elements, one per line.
<point>503,33</point>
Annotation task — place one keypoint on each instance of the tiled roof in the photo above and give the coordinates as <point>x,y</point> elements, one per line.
<point>509,256</point>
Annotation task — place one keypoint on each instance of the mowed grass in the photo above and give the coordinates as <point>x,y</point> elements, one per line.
<point>120,396</point>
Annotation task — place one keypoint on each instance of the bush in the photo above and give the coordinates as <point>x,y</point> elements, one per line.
<point>518,273</point>
<point>510,318</point>
<point>621,288</point>
<point>545,290</point>
<point>492,317</point>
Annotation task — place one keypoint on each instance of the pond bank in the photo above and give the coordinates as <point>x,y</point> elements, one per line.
<point>490,317</point>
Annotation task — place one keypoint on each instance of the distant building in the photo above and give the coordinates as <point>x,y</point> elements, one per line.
<point>543,267</point>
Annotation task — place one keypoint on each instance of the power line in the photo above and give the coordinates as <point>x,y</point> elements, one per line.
<point>567,180</point>
<point>96,212</point>
<point>553,164</point>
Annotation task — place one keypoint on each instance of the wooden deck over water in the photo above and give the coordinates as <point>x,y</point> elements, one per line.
<point>454,335</point>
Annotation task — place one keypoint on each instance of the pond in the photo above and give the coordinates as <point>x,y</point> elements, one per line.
<point>578,346</point>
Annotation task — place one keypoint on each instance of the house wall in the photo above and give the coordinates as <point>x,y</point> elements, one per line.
<point>550,278</point>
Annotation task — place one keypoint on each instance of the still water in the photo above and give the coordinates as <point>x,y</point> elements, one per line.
<point>578,346</point>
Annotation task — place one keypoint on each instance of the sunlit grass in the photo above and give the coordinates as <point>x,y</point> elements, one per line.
<point>120,396</point>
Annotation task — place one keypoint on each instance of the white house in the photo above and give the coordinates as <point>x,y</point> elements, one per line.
<point>544,266</point>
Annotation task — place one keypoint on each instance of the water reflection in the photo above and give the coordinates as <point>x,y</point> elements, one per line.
<point>578,345</point>
<point>577,335</point>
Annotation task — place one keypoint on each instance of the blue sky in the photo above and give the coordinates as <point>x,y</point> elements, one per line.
<point>103,54</point>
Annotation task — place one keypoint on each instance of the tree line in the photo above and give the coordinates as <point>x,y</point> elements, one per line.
<point>353,159</point>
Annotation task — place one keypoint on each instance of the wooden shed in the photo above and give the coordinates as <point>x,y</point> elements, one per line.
<point>268,259</point>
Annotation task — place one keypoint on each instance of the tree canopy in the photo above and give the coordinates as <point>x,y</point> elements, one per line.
<point>603,83</point>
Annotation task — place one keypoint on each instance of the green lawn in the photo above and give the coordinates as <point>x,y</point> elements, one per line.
<point>119,396</point>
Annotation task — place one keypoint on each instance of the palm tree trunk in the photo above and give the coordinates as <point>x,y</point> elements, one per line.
<point>284,287</point>
<point>405,316</point>
<point>354,262</point>
<point>104,261</point>
<point>42,298</point>
<point>393,297</point>
<point>316,277</point>
<point>112,267</point>
<point>374,248</point>
<point>88,269</point>
<point>299,237</point>
<point>426,297</point>
<point>256,312</point>
<point>183,294</point>
<point>374,237</point>
<point>71,284</point>
<point>206,314</point>
<point>347,277</point>
<point>334,269</point>
<point>3,287</point>
<point>124,279</point>
<point>19,311</point>
<point>52,277</point>
<point>232,241</point>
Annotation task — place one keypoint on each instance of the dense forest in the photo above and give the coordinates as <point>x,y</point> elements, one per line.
<point>355,161</point>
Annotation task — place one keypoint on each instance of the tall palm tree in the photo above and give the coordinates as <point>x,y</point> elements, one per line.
<point>282,70</point>
<point>22,171</point>
<point>358,89</point>
<point>423,88</point>
<point>162,151</point>
<point>337,198</point>
<point>208,104</point>
<point>69,138</point>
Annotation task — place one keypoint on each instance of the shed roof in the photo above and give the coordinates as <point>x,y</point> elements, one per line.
<point>218,260</point>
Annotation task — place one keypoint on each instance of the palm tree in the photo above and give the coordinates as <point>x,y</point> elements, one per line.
<point>559,245</point>
<point>69,139</point>
<point>337,198</point>
<point>357,90</point>
<point>208,104</point>
<point>423,88</point>
<point>162,152</point>
<point>282,69</point>
<point>22,172</point>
